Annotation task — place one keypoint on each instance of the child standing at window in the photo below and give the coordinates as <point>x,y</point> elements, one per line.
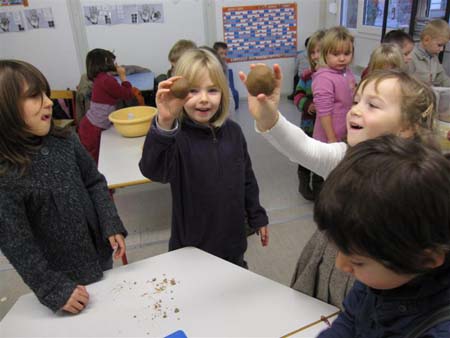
<point>425,64</point>
<point>386,102</point>
<point>106,92</point>
<point>203,155</point>
<point>58,225</point>
<point>303,99</point>
<point>386,207</point>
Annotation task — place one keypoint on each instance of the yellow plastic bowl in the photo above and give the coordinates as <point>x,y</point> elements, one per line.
<point>133,121</point>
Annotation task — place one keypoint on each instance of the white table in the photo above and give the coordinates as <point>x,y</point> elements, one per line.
<point>207,297</point>
<point>119,159</point>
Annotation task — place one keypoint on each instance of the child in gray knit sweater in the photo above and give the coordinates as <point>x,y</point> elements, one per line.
<point>58,224</point>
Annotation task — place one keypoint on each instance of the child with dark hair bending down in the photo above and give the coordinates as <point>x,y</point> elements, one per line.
<point>386,207</point>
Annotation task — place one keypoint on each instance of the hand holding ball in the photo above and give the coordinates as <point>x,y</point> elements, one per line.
<point>261,80</point>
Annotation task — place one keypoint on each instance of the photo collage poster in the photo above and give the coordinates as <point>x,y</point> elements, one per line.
<point>28,19</point>
<point>123,14</point>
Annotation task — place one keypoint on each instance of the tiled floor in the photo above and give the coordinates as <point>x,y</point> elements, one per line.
<point>146,211</point>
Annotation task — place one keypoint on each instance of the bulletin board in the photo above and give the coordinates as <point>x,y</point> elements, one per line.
<point>260,32</point>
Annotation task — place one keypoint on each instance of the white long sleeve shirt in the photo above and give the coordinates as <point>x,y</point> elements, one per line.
<point>321,158</point>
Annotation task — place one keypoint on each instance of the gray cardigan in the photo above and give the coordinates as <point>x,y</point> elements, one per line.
<point>428,68</point>
<point>55,220</point>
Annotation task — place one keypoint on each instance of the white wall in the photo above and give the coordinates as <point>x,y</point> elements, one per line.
<point>309,14</point>
<point>148,45</point>
<point>51,50</point>
<point>60,53</point>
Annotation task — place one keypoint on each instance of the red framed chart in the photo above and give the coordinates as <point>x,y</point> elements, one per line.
<point>260,32</point>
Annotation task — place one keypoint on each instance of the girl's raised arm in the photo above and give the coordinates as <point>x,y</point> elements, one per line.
<point>264,109</point>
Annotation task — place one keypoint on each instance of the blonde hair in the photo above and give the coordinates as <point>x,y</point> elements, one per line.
<point>386,56</point>
<point>336,39</point>
<point>193,64</point>
<point>313,41</point>
<point>417,100</point>
<point>436,29</point>
<point>179,48</point>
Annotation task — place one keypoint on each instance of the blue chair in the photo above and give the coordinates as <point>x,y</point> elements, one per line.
<point>234,92</point>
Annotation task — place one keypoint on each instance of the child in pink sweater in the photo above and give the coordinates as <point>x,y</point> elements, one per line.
<point>333,85</point>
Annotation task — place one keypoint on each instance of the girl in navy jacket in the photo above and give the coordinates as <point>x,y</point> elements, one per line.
<point>203,155</point>
<point>386,207</point>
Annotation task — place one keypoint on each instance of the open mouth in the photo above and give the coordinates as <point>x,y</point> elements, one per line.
<point>46,117</point>
<point>355,126</point>
<point>203,111</point>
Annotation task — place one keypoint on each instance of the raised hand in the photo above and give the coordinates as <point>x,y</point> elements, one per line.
<point>169,107</point>
<point>121,72</point>
<point>264,109</point>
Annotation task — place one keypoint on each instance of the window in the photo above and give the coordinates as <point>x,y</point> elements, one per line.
<point>437,8</point>
<point>367,15</point>
<point>349,13</point>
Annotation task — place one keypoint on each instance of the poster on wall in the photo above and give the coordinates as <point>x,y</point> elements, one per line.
<point>11,22</point>
<point>100,15</point>
<point>123,14</point>
<point>37,18</point>
<point>138,14</point>
<point>260,32</point>
<point>13,2</point>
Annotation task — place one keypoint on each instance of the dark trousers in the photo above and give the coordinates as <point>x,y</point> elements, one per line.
<point>240,261</point>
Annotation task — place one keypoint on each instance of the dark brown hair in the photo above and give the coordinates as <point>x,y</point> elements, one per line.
<point>398,37</point>
<point>18,81</point>
<point>220,44</point>
<point>99,61</point>
<point>389,199</point>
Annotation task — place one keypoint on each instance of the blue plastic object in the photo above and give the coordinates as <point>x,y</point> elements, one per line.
<point>177,334</point>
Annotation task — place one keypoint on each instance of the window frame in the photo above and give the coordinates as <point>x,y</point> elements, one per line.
<point>360,27</point>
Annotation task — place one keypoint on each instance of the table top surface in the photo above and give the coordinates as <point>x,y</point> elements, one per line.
<point>142,81</point>
<point>119,159</point>
<point>187,290</point>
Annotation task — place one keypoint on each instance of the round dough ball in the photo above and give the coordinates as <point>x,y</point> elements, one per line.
<point>180,88</point>
<point>261,80</point>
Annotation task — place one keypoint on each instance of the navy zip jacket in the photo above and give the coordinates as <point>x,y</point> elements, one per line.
<point>394,313</point>
<point>212,182</point>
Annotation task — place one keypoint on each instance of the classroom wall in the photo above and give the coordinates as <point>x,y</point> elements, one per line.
<point>52,50</point>
<point>310,19</point>
<point>60,52</point>
<point>148,45</point>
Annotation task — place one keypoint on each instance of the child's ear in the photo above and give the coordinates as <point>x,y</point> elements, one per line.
<point>426,39</point>
<point>434,258</point>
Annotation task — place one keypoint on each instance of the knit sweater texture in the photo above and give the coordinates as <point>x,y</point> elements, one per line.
<point>55,220</point>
